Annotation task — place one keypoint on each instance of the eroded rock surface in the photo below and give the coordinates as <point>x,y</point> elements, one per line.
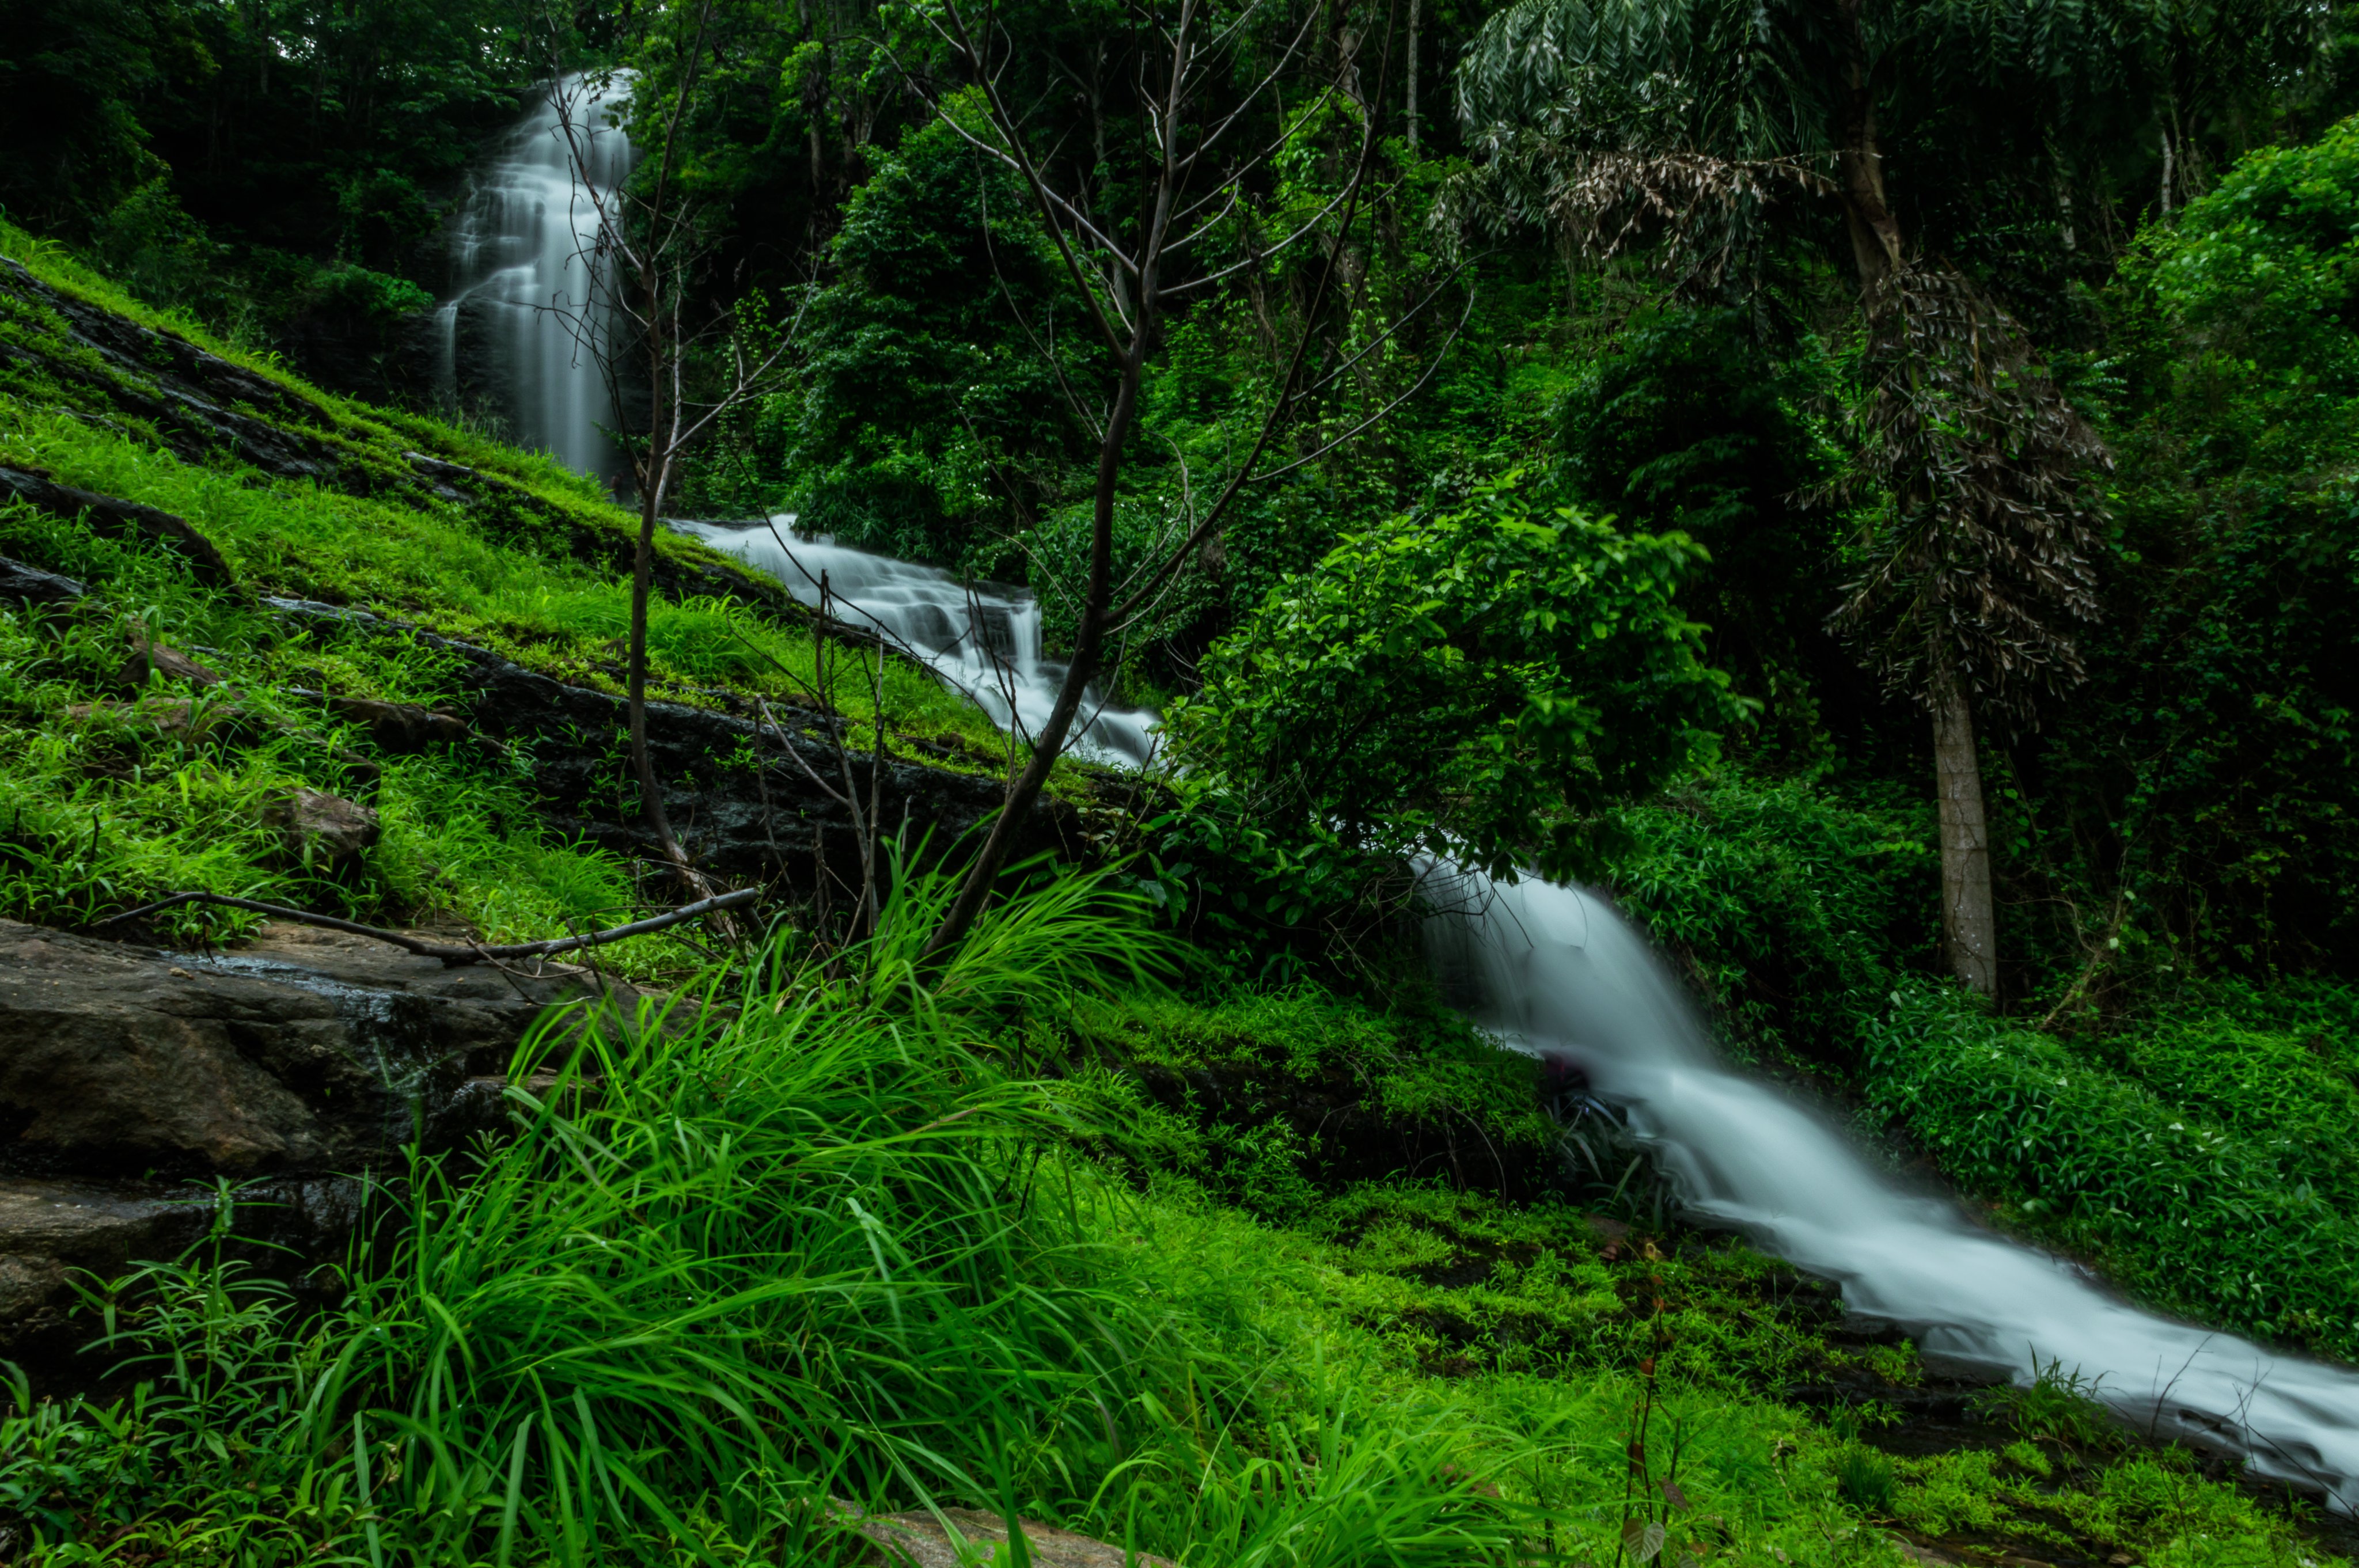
<point>920,1541</point>
<point>133,1078</point>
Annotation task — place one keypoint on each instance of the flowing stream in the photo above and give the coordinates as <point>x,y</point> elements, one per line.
<point>525,296</point>
<point>1556,972</point>
<point>981,640</point>
<point>1553,970</point>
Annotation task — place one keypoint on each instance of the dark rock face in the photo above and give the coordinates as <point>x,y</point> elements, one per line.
<point>741,793</point>
<point>303,1053</point>
<point>22,584</point>
<point>290,1066</point>
<point>120,519</point>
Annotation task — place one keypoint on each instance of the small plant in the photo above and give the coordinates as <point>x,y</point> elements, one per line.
<point>2057,1406</point>
<point>1864,1477</point>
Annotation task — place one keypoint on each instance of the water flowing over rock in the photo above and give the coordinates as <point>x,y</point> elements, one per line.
<point>981,640</point>
<point>528,309</point>
<point>1556,972</point>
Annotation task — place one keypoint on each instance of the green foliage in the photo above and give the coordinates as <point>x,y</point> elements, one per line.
<point>1479,683</point>
<point>2214,749</point>
<point>1270,1100</point>
<point>1793,908</point>
<point>1689,423</point>
<point>924,410</point>
<point>2123,1150</point>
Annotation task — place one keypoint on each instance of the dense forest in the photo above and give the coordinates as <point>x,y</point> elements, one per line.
<point>1866,491</point>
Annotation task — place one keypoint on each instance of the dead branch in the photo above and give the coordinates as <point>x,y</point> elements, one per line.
<point>451,957</point>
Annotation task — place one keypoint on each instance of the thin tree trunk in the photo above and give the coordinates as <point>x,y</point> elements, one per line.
<point>653,475</point>
<point>1859,167</point>
<point>1416,9</point>
<point>1089,646</point>
<point>1969,919</point>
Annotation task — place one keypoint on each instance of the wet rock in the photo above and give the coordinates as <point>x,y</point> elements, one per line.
<point>304,1053</point>
<point>30,585</point>
<point>741,803</point>
<point>918,1540</point>
<point>322,830</point>
<point>151,657</point>
<point>399,727</point>
<point>118,519</point>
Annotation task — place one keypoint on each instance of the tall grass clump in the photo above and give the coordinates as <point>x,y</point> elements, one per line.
<point>740,1254</point>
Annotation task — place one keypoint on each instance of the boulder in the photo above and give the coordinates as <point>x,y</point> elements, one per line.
<point>322,830</point>
<point>302,1053</point>
<point>132,1079</point>
<point>918,1540</point>
<point>30,585</point>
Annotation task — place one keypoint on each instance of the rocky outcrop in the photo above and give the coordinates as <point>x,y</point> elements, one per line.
<point>132,1079</point>
<point>115,519</point>
<point>302,1052</point>
<point>741,790</point>
<point>21,584</point>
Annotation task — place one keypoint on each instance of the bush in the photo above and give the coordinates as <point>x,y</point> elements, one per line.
<point>2202,1163</point>
<point>1793,910</point>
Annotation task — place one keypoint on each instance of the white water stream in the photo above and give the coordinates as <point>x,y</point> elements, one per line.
<point>1558,973</point>
<point>984,642</point>
<point>1554,970</point>
<point>525,296</point>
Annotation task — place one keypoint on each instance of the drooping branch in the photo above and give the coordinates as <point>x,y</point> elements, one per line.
<point>451,957</point>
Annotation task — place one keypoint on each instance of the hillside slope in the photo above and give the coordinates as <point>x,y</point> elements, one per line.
<point>330,654</point>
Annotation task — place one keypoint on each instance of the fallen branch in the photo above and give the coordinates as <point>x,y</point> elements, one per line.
<point>453,957</point>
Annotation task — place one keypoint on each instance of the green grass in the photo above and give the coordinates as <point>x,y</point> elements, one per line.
<point>2208,1120</point>
<point>826,1244</point>
<point>97,816</point>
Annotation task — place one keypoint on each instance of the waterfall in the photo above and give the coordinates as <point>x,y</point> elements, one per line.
<point>1554,971</point>
<point>524,292</point>
<point>1557,973</point>
<point>982,641</point>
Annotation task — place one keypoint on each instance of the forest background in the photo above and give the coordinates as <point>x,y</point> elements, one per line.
<point>1623,322</point>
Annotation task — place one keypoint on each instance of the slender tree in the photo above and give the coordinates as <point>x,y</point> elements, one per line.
<point>646,239</point>
<point>1707,129</point>
<point>1132,265</point>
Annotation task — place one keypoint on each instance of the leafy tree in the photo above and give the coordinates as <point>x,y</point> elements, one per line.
<point>1705,126</point>
<point>1480,683</point>
<point>1690,422</point>
<point>925,398</point>
<point>2215,762</point>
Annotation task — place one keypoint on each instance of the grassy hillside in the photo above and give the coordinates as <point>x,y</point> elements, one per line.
<point>102,808</point>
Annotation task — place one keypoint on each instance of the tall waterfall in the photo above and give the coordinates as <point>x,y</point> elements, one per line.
<point>525,297</point>
<point>981,642</point>
<point>1556,972</point>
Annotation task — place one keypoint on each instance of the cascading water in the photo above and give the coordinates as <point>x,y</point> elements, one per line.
<point>1556,972</point>
<point>986,644</point>
<point>526,299</point>
<point>1553,971</point>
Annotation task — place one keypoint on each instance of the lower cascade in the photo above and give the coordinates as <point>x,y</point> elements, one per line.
<point>981,642</point>
<point>1554,971</point>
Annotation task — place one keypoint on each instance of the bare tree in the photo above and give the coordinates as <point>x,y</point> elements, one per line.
<point>646,239</point>
<point>1130,272</point>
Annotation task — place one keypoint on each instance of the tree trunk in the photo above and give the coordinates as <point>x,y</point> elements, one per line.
<point>1969,919</point>
<point>1859,167</point>
<point>1089,647</point>
<point>1415,8</point>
